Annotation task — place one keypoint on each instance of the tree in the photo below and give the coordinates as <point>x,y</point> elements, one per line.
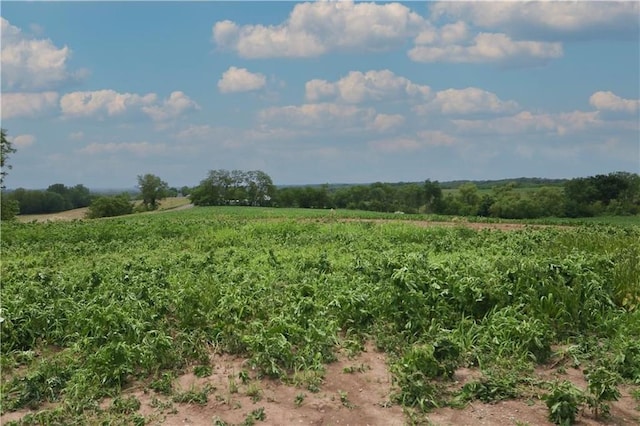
<point>9,207</point>
<point>153,189</point>
<point>469,199</point>
<point>222,187</point>
<point>433,197</point>
<point>110,206</point>
<point>6,148</point>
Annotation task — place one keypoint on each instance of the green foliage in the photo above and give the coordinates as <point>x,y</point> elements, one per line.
<point>202,370</point>
<point>110,206</point>
<point>152,189</point>
<point>6,149</point>
<point>255,415</point>
<point>140,298</point>
<point>163,384</point>
<point>490,389</point>
<point>603,387</point>
<point>236,187</point>
<point>128,405</point>
<point>9,208</point>
<point>55,199</point>
<point>193,396</point>
<point>564,402</point>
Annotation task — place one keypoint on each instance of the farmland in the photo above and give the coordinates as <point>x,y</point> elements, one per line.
<point>101,316</point>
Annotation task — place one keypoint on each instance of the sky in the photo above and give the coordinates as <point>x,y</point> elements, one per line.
<point>97,93</point>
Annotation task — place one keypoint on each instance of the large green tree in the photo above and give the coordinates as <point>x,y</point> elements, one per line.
<point>153,189</point>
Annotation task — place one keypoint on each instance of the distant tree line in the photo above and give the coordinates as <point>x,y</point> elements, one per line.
<point>614,194</point>
<point>54,199</point>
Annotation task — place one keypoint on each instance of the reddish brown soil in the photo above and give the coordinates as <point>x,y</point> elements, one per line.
<point>360,397</point>
<point>354,391</point>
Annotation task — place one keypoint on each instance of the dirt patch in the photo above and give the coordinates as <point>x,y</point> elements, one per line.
<point>68,215</point>
<point>353,392</point>
<point>532,410</point>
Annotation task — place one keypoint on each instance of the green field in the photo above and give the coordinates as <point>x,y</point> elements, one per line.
<point>91,308</point>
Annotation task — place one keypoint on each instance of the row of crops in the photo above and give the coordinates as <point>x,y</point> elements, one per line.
<point>89,307</point>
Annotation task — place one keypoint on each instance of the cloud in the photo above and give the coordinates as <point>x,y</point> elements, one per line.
<point>33,64</point>
<point>547,20</point>
<point>76,136</point>
<point>240,80</point>
<point>526,122</point>
<point>385,122</point>
<point>15,105</point>
<point>141,149</point>
<point>316,28</point>
<point>99,102</point>
<point>485,48</point>
<point>23,141</point>
<point>467,101</point>
<point>321,115</point>
<point>358,87</point>
<point>177,104</point>
<point>422,139</point>
<point>608,101</point>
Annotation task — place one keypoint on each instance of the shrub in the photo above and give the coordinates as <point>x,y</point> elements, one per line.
<point>110,206</point>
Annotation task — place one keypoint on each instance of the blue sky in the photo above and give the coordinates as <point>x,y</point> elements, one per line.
<point>100,92</point>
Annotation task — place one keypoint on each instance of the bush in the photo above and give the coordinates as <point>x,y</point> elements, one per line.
<point>563,403</point>
<point>110,206</point>
<point>8,208</point>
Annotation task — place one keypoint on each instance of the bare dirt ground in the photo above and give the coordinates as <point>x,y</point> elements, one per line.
<point>360,397</point>
<point>354,391</point>
<point>174,203</point>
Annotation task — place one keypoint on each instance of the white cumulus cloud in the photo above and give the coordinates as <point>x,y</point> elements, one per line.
<point>240,80</point>
<point>608,101</point>
<point>85,104</point>
<point>556,20</point>
<point>467,101</point>
<point>385,122</point>
<point>23,141</point>
<point>30,63</point>
<point>16,105</point>
<point>526,122</point>
<point>358,87</point>
<point>313,29</point>
<point>488,47</point>
<point>177,104</point>
<point>422,139</point>
<point>321,115</point>
<point>137,148</point>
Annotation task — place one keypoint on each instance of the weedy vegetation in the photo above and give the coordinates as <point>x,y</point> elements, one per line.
<point>90,307</point>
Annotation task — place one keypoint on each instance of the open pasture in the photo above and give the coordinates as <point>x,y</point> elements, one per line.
<point>245,313</point>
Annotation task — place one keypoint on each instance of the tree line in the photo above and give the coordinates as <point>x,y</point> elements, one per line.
<point>615,193</point>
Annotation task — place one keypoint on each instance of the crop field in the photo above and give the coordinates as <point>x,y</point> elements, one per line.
<point>266,316</point>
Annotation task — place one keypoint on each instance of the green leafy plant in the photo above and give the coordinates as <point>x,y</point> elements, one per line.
<point>564,402</point>
<point>202,370</point>
<point>127,405</point>
<point>193,395</point>
<point>603,387</point>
